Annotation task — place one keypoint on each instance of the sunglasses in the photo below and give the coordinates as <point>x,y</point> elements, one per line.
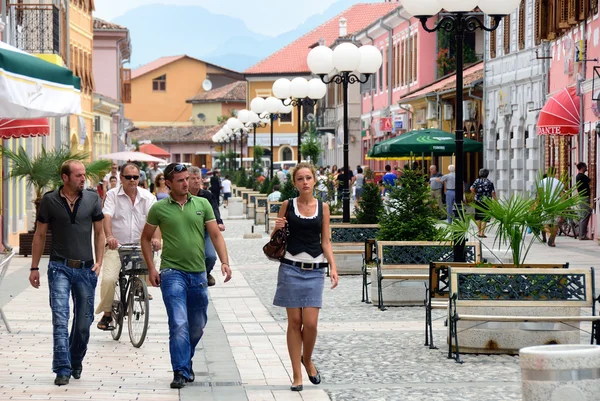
<point>178,168</point>
<point>131,177</point>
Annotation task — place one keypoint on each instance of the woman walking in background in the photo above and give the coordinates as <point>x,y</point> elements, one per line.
<point>483,189</point>
<point>302,270</point>
<point>359,183</point>
<point>161,191</point>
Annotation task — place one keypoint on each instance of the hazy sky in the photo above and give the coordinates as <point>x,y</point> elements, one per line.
<point>269,17</point>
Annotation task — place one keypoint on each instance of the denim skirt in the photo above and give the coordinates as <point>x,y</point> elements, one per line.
<point>297,288</point>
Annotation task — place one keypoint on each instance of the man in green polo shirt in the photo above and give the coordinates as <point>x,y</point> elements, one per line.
<point>183,219</point>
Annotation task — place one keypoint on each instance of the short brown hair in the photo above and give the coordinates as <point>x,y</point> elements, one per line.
<point>65,168</point>
<point>124,166</point>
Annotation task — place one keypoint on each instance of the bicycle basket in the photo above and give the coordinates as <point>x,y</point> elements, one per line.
<point>132,260</point>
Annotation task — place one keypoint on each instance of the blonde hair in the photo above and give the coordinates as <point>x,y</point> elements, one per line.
<point>301,166</point>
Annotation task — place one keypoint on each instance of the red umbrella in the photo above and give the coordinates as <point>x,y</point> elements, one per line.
<point>154,150</point>
<point>12,128</point>
<point>560,115</point>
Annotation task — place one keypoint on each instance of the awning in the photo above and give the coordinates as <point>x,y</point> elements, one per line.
<point>154,150</point>
<point>560,115</point>
<point>11,128</point>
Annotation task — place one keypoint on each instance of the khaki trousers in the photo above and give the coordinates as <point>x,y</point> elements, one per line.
<point>436,194</point>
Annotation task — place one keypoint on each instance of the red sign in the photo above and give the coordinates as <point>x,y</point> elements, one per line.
<point>385,124</point>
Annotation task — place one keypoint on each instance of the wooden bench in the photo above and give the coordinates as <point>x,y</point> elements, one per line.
<point>271,214</point>
<point>349,239</point>
<point>503,289</point>
<point>438,289</point>
<point>410,260</point>
<point>369,259</point>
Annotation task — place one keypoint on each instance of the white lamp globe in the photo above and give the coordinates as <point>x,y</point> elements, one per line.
<point>227,130</point>
<point>265,120</point>
<point>272,105</point>
<point>281,88</point>
<point>459,5</point>
<point>421,7</point>
<point>254,118</point>
<point>299,88</point>
<point>493,7</point>
<point>234,123</point>
<point>346,57</point>
<point>283,109</point>
<point>320,60</point>
<point>370,59</point>
<point>316,88</point>
<point>257,105</point>
<point>243,115</point>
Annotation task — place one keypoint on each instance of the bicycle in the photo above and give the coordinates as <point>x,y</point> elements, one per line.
<point>131,295</point>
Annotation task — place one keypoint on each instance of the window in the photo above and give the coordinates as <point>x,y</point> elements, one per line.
<point>402,75</point>
<point>286,154</point>
<point>97,124</point>
<point>522,17</point>
<point>393,83</point>
<point>159,84</point>
<point>381,75</point>
<point>493,44</point>
<point>563,14</point>
<point>286,118</point>
<point>414,58</point>
<point>507,34</point>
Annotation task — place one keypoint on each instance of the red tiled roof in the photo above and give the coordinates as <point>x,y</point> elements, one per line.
<point>101,24</point>
<point>471,74</point>
<point>154,65</point>
<point>292,58</point>
<point>234,92</point>
<point>194,133</point>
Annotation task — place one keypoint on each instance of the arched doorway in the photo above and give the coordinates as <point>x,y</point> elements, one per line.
<point>286,153</point>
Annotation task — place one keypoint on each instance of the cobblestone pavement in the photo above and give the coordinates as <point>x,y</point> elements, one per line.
<point>362,353</point>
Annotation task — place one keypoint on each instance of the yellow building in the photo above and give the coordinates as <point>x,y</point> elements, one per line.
<point>160,89</point>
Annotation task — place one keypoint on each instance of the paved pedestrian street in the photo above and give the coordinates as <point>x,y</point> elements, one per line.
<point>362,353</point>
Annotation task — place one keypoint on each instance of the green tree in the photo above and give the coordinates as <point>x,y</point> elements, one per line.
<point>311,144</point>
<point>370,205</point>
<point>242,179</point>
<point>266,184</point>
<point>288,191</point>
<point>408,215</point>
<point>257,162</point>
<point>274,181</point>
<point>250,181</point>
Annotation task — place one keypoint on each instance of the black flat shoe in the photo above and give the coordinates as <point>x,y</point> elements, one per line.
<point>61,380</point>
<point>179,381</point>
<point>192,374</point>
<point>316,379</point>
<point>76,373</point>
<point>299,387</point>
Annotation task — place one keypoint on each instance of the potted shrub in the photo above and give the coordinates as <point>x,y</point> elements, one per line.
<point>42,173</point>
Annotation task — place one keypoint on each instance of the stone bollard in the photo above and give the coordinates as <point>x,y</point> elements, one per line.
<point>234,209</point>
<point>568,372</point>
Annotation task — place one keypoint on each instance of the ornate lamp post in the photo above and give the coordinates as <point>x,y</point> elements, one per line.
<point>344,60</point>
<point>220,137</point>
<point>297,93</point>
<point>251,120</point>
<point>459,19</point>
<point>238,129</point>
<point>270,108</point>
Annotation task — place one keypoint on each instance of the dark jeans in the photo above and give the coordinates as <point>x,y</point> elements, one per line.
<point>210,254</point>
<point>586,212</point>
<point>186,299</point>
<point>63,281</point>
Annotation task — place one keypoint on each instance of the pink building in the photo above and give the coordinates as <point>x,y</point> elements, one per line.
<point>112,49</point>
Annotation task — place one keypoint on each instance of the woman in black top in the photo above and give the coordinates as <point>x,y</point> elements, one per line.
<point>302,270</point>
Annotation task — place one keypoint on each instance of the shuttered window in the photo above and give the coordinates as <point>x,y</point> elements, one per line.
<point>507,34</point>
<point>563,14</point>
<point>493,44</point>
<point>402,76</point>
<point>573,15</point>
<point>522,18</point>
<point>583,9</point>
<point>414,57</point>
<point>594,7</point>
<point>393,83</point>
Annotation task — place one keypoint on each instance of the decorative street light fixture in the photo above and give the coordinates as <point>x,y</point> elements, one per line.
<point>297,93</point>
<point>238,129</point>
<point>459,19</point>
<point>270,108</point>
<point>251,120</point>
<point>344,60</point>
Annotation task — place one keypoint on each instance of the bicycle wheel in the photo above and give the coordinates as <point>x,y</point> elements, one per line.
<point>138,311</point>
<point>117,313</point>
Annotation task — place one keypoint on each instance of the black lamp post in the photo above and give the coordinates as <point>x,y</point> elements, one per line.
<point>459,20</point>
<point>345,59</point>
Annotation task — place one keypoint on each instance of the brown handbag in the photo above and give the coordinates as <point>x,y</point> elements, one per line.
<point>275,248</point>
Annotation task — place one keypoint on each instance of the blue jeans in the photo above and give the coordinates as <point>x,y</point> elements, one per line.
<point>69,350</point>
<point>186,299</point>
<point>450,197</point>
<point>210,254</point>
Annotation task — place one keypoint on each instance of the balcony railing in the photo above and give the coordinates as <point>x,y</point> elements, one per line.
<point>35,28</point>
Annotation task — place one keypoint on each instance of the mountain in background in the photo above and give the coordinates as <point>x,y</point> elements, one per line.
<point>165,30</point>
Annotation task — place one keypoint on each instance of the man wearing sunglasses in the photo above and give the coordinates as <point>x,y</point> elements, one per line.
<point>125,210</point>
<point>183,220</point>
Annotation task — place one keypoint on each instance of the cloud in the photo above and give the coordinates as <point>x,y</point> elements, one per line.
<point>269,17</point>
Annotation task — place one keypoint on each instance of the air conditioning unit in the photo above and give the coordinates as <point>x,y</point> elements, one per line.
<point>432,112</point>
<point>448,112</point>
<point>469,110</point>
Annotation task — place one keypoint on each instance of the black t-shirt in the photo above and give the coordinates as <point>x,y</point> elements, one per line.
<point>215,184</point>
<point>583,184</point>
<point>213,202</point>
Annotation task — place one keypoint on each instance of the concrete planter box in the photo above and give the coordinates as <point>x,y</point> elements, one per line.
<point>560,373</point>
<point>509,337</point>
<point>234,210</point>
<point>251,211</point>
<point>348,264</point>
<point>399,292</point>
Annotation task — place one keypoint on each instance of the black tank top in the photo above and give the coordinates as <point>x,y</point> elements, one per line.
<point>305,232</point>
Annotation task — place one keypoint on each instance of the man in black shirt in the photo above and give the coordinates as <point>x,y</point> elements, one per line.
<point>70,212</point>
<point>215,185</point>
<point>195,188</point>
<point>583,188</point>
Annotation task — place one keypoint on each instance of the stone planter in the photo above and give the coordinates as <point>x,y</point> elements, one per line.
<point>399,292</point>
<point>560,373</point>
<point>234,210</point>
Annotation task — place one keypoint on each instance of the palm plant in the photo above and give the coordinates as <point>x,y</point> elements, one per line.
<point>42,172</point>
<point>512,217</point>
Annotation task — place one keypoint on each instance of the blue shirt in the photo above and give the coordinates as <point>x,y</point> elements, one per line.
<point>389,179</point>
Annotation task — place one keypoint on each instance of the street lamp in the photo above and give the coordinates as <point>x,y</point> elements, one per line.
<point>459,19</point>
<point>269,108</point>
<point>344,60</point>
<point>238,129</point>
<point>297,93</point>
<point>251,120</point>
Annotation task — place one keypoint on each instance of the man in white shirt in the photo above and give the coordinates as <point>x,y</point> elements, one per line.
<point>275,195</point>
<point>226,184</point>
<point>125,210</point>
<point>114,172</point>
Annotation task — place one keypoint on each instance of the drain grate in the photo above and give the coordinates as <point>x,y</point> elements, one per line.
<point>218,384</point>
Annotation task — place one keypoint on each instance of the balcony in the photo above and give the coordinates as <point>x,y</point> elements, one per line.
<point>327,119</point>
<point>125,85</point>
<point>36,28</point>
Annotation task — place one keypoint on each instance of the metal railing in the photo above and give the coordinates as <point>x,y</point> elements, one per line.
<point>35,28</point>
